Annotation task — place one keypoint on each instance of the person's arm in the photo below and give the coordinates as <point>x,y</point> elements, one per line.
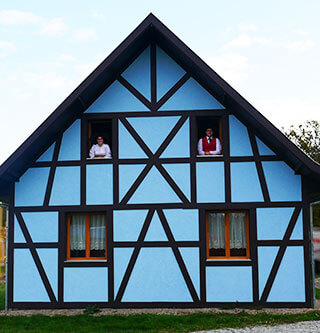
<point>200,150</point>
<point>218,148</point>
<point>108,152</point>
<point>91,153</point>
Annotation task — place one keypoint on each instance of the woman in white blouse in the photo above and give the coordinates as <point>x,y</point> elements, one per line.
<point>100,150</point>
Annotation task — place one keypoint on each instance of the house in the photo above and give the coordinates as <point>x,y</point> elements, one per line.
<point>157,224</point>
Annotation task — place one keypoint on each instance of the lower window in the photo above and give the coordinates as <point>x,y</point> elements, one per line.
<point>227,235</point>
<point>87,236</point>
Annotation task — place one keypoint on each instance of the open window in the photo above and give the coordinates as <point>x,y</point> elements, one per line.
<point>215,146</point>
<point>96,129</point>
<point>87,236</point>
<point>227,235</point>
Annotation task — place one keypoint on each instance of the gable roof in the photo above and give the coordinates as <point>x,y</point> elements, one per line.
<point>151,29</point>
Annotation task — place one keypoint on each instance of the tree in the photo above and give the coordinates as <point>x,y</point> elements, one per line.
<point>307,137</point>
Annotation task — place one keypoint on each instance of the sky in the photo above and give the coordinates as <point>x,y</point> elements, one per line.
<point>268,51</point>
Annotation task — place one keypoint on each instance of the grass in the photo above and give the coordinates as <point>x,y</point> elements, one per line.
<point>146,322</point>
<point>2,296</point>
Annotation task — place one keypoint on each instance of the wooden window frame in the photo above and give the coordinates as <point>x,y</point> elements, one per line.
<point>89,130</point>
<point>87,251</point>
<point>220,134</point>
<point>227,235</point>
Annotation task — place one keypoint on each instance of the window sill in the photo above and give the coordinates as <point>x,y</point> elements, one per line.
<point>227,259</point>
<point>77,261</point>
<point>99,158</point>
<point>209,155</point>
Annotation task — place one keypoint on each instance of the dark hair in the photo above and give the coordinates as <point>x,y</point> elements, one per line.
<point>98,136</point>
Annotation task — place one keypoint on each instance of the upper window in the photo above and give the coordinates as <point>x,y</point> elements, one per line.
<point>87,236</point>
<point>209,136</point>
<point>100,138</point>
<point>227,235</point>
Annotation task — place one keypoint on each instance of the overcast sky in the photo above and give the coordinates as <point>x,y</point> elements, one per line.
<point>269,51</point>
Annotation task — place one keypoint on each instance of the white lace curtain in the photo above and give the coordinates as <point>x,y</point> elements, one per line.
<point>78,232</point>
<point>237,230</point>
<point>216,231</point>
<point>97,232</point>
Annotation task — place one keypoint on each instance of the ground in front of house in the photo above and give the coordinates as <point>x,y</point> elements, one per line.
<point>158,320</point>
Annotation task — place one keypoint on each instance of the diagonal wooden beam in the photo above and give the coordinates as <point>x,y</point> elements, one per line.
<point>259,167</point>
<point>135,92</point>
<point>172,183</point>
<point>173,90</point>
<point>52,170</point>
<point>153,159</point>
<point>134,256</point>
<point>280,254</point>
<point>178,256</point>
<point>36,258</point>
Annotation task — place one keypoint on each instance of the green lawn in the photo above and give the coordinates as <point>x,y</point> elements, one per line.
<point>144,322</point>
<point>2,296</point>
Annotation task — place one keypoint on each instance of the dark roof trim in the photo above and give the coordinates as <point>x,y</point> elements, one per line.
<point>150,29</point>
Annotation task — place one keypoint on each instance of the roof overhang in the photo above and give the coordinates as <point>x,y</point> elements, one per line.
<point>150,30</point>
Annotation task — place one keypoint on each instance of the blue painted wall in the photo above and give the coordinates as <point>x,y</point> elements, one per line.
<point>156,276</point>
<point>239,138</point>
<point>85,284</point>
<point>27,283</point>
<point>282,182</point>
<point>229,284</point>
<point>116,98</point>
<point>245,184</point>
<point>210,182</point>
<point>31,188</point>
<point>42,226</point>
<point>163,282</point>
<point>66,186</point>
<point>99,184</point>
<point>139,73</point>
<point>70,144</point>
<point>272,223</point>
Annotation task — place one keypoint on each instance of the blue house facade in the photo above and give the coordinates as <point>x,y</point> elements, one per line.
<point>158,225</point>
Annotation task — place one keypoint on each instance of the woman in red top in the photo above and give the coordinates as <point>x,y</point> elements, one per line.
<point>209,145</point>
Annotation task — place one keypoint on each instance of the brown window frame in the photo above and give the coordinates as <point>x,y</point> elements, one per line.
<point>227,234</point>
<point>89,133</point>
<point>87,251</point>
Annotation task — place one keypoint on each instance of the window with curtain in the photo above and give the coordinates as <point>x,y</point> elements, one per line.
<point>87,236</point>
<point>227,235</point>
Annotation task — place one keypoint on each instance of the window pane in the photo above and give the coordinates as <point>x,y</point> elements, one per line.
<point>78,236</point>
<point>238,234</point>
<point>216,235</point>
<point>97,236</point>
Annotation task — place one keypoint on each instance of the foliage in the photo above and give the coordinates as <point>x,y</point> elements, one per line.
<point>307,137</point>
<point>147,322</point>
<point>91,309</point>
<point>2,296</point>
<point>317,293</point>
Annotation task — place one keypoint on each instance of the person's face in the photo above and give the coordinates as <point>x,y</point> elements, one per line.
<point>100,140</point>
<point>209,132</point>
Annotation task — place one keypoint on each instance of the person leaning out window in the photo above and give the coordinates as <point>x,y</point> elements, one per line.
<point>209,145</point>
<point>100,149</point>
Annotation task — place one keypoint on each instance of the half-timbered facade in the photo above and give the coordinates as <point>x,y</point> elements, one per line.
<point>157,224</point>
